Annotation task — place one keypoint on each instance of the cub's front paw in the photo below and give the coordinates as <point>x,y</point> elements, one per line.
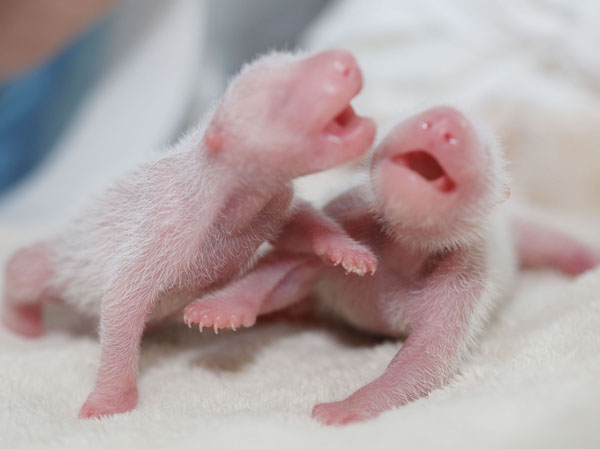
<point>220,313</point>
<point>351,255</point>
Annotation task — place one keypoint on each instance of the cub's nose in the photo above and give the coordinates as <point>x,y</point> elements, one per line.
<point>338,64</point>
<point>445,124</point>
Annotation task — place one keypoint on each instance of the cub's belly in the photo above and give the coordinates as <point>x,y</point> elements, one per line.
<point>367,303</point>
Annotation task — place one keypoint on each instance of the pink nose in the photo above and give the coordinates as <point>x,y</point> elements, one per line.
<point>444,124</point>
<point>341,63</point>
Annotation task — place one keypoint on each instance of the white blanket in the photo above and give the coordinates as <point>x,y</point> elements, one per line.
<point>533,382</point>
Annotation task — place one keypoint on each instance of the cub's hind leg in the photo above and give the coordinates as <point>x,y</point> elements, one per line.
<point>27,285</point>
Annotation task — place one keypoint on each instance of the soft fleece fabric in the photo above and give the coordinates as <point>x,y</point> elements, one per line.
<point>532,383</point>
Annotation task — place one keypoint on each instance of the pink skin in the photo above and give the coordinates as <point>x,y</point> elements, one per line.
<point>192,218</point>
<point>434,182</point>
<point>432,273</point>
<point>278,281</point>
<point>27,274</point>
<point>308,232</point>
<point>539,246</point>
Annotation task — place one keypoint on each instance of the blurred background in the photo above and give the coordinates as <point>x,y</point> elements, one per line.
<point>88,88</point>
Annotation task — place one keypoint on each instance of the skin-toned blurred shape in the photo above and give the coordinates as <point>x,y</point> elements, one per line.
<point>31,32</point>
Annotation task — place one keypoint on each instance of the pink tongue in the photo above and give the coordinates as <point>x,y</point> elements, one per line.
<point>344,117</point>
<point>427,167</point>
<point>424,164</point>
<point>336,126</point>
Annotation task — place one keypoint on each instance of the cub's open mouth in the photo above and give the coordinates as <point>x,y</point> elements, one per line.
<point>425,165</point>
<point>343,123</point>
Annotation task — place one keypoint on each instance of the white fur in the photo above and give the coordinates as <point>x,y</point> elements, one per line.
<point>182,192</point>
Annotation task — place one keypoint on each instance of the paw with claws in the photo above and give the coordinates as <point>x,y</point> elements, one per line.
<point>352,256</point>
<point>220,313</point>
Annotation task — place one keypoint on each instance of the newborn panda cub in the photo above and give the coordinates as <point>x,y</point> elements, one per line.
<point>447,252</point>
<point>192,218</point>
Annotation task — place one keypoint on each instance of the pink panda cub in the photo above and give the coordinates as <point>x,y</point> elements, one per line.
<point>448,251</point>
<point>191,219</point>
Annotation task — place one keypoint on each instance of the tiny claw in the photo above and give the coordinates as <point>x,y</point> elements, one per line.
<point>233,327</point>
<point>200,326</point>
<point>216,329</point>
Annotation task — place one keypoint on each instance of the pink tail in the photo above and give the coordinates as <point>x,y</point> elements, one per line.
<point>539,246</point>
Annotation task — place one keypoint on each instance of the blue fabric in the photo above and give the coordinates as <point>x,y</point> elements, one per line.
<point>36,107</point>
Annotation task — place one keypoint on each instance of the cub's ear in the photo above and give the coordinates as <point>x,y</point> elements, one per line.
<point>213,138</point>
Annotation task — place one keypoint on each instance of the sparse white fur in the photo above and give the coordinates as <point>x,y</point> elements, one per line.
<point>190,219</point>
<point>469,224</point>
<point>438,280</point>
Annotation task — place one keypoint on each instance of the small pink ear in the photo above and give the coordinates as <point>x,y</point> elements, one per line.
<point>213,139</point>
